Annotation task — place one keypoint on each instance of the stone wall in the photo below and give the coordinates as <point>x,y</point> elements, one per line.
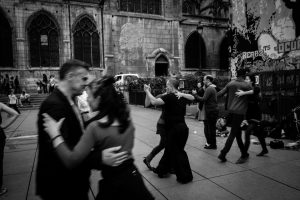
<point>132,41</point>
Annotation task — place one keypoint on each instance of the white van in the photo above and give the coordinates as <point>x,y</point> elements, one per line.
<point>121,79</point>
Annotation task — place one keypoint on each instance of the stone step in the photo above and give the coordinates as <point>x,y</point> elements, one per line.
<point>36,100</point>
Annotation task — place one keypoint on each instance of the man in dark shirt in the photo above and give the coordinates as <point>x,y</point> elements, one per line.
<point>211,111</point>
<point>53,179</point>
<point>237,107</point>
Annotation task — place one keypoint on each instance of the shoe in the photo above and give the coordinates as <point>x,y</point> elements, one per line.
<point>222,157</point>
<point>242,160</point>
<point>147,163</point>
<point>263,153</point>
<point>160,174</point>
<point>184,181</point>
<point>210,147</point>
<point>3,191</point>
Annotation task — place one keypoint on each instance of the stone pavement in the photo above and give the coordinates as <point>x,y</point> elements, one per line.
<point>275,176</point>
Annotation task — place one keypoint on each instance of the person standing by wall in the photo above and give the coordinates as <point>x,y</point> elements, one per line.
<point>17,85</point>
<point>12,116</point>
<point>211,111</point>
<point>200,92</point>
<point>45,84</point>
<point>13,101</point>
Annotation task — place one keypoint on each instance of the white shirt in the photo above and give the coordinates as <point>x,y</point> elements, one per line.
<point>12,99</point>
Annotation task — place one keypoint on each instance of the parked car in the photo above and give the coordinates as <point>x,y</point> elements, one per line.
<point>122,79</point>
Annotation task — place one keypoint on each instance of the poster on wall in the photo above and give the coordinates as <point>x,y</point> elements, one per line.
<point>266,35</point>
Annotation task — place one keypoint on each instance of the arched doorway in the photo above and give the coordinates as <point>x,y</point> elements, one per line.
<point>6,51</point>
<point>195,52</point>
<point>161,66</point>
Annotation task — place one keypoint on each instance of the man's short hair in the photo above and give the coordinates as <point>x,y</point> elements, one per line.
<point>71,65</point>
<point>210,78</point>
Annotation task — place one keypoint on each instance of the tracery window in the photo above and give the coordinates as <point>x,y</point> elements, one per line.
<point>141,6</point>
<point>86,42</point>
<point>6,51</point>
<point>43,42</point>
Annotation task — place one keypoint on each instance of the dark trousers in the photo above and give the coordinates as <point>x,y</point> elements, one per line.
<point>236,132</point>
<point>124,182</point>
<point>210,128</point>
<point>252,130</point>
<point>2,145</point>
<point>162,143</point>
<point>14,106</point>
<point>174,155</point>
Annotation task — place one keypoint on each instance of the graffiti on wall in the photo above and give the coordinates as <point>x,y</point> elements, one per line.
<point>265,36</point>
<point>131,43</point>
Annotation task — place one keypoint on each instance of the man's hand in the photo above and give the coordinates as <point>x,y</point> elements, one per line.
<point>194,92</point>
<point>240,93</point>
<point>112,157</point>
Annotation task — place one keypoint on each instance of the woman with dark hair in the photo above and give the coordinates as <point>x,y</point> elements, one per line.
<point>176,130</point>
<point>253,116</point>
<point>111,127</point>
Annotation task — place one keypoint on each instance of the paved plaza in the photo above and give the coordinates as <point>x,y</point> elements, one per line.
<point>275,176</point>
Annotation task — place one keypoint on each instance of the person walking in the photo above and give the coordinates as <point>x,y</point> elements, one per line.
<point>177,132</point>
<point>53,179</point>
<point>211,111</point>
<point>13,101</point>
<point>237,107</point>
<point>110,127</point>
<point>253,116</point>
<point>12,116</point>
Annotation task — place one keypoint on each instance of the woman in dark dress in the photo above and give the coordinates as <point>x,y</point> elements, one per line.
<point>176,130</point>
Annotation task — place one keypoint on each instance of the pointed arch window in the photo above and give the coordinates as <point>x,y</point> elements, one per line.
<point>6,51</point>
<point>86,42</point>
<point>141,6</point>
<point>195,52</point>
<point>43,42</point>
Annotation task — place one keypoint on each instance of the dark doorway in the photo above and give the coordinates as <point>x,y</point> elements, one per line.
<point>195,51</point>
<point>161,66</point>
<point>6,52</point>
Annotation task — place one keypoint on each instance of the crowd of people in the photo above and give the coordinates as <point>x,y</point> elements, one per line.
<point>71,144</point>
